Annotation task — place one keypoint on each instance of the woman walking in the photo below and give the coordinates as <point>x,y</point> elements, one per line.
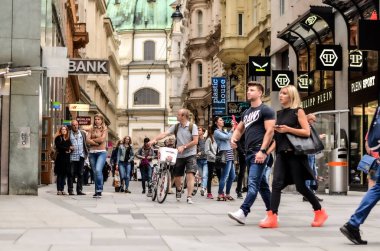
<point>124,159</point>
<point>290,168</point>
<point>210,150</point>
<point>62,162</point>
<point>97,140</point>
<point>222,139</point>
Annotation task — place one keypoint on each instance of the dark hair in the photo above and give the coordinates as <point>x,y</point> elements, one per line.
<point>210,133</point>
<point>202,128</point>
<point>256,84</point>
<point>146,140</point>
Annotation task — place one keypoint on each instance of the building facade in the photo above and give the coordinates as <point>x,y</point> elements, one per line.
<point>318,43</point>
<point>100,91</point>
<point>245,32</point>
<point>144,31</point>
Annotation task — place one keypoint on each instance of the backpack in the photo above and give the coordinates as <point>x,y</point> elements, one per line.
<point>176,131</point>
<point>373,138</point>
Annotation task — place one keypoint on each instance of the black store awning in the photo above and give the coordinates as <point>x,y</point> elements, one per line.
<point>314,25</point>
<point>351,10</point>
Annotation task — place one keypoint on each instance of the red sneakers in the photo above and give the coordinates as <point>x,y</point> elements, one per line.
<point>270,221</point>
<point>319,218</point>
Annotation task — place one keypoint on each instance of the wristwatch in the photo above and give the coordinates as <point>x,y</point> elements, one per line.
<point>263,150</point>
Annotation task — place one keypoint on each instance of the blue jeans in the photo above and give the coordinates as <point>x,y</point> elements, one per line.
<point>228,176</point>
<point>61,182</point>
<point>368,202</point>
<point>125,173</point>
<point>257,182</point>
<point>97,161</point>
<point>203,171</point>
<point>311,160</point>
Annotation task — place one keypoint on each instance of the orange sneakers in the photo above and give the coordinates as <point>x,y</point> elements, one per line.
<point>319,218</point>
<point>270,221</point>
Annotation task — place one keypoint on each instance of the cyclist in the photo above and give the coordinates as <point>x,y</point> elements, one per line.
<point>186,143</point>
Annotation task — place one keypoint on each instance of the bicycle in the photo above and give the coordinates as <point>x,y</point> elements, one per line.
<point>160,183</point>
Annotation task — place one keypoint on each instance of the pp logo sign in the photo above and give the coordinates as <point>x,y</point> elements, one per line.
<point>311,20</point>
<point>282,80</point>
<point>329,57</point>
<point>356,59</point>
<point>303,82</point>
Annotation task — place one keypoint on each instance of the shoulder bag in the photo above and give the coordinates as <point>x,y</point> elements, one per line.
<point>220,157</point>
<point>306,145</point>
<point>366,163</point>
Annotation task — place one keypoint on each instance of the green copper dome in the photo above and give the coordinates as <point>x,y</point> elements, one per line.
<point>140,14</point>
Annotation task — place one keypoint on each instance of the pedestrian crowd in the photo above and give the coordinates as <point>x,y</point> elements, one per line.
<point>245,154</point>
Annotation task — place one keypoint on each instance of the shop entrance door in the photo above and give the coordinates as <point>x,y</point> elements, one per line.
<point>46,162</point>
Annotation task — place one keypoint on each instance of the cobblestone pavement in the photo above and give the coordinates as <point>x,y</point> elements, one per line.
<point>118,221</point>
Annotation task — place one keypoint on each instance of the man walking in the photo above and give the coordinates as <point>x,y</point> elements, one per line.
<point>186,142</point>
<point>258,125</point>
<point>78,155</point>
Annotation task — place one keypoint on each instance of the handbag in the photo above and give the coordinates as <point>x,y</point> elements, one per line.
<point>220,157</point>
<point>116,179</point>
<point>53,154</point>
<point>306,145</point>
<point>366,163</point>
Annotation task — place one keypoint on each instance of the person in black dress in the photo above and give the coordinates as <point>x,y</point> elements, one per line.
<point>62,162</point>
<point>290,168</point>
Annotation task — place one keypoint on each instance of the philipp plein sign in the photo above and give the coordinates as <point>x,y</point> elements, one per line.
<point>259,66</point>
<point>329,57</point>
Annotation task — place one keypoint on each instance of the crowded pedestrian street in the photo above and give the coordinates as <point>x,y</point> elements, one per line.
<point>120,221</point>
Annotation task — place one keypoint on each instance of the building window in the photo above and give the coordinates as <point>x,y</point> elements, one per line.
<point>147,96</point>
<point>200,74</point>
<point>282,7</point>
<point>240,24</point>
<point>200,23</point>
<point>149,50</point>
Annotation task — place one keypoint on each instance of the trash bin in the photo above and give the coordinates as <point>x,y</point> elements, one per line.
<point>338,172</point>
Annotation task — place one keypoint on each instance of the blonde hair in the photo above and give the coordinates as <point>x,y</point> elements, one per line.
<point>103,125</point>
<point>295,100</point>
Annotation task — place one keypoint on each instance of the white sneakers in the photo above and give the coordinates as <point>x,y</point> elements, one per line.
<point>238,216</point>
<point>189,200</point>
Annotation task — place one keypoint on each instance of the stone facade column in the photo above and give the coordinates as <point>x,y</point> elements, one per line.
<point>20,44</point>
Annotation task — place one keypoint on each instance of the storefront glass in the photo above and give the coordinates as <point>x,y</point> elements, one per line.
<point>361,117</point>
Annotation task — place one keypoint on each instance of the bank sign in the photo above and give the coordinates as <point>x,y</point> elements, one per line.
<point>88,66</point>
<point>281,79</point>
<point>219,96</point>
<point>329,57</point>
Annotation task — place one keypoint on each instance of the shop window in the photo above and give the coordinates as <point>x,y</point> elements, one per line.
<point>147,96</point>
<point>149,50</point>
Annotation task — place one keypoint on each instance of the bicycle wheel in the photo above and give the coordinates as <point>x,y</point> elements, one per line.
<point>154,184</point>
<point>163,186</point>
<point>196,184</point>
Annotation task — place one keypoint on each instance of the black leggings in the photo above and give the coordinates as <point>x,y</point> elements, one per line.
<point>291,166</point>
<point>242,168</point>
<point>211,169</point>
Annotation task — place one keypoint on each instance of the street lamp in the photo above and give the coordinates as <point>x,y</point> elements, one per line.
<point>177,15</point>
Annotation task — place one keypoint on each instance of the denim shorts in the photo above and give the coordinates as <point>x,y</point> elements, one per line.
<point>189,164</point>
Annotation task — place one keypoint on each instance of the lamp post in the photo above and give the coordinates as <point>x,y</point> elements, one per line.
<point>177,15</point>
